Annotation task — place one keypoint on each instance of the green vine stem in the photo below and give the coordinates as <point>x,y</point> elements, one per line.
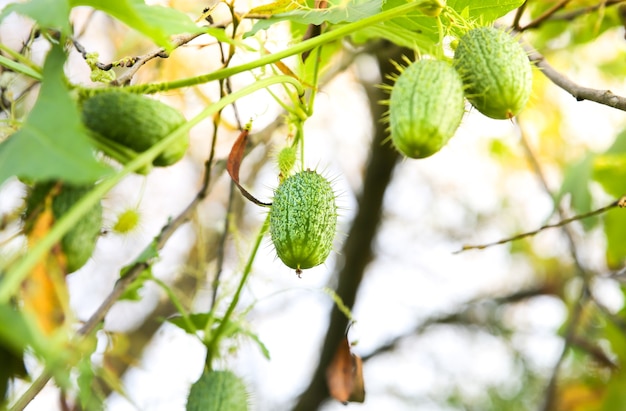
<point>13,278</point>
<point>213,344</point>
<point>335,34</point>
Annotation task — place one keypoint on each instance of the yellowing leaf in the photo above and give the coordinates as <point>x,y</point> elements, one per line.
<point>42,290</point>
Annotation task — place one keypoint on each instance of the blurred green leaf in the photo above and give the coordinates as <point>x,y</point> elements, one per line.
<point>580,30</point>
<point>49,14</point>
<point>87,394</point>
<point>485,11</point>
<point>156,22</point>
<point>51,143</point>
<point>343,12</point>
<point>610,171</point>
<point>614,223</point>
<point>198,321</point>
<point>576,184</point>
<point>415,30</point>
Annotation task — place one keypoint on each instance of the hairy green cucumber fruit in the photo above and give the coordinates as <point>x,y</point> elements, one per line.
<point>495,70</point>
<point>303,220</point>
<point>136,122</point>
<point>218,391</point>
<point>79,242</point>
<point>425,108</point>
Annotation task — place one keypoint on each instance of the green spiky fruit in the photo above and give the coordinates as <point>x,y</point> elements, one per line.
<point>136,122</point>
<point>495,70</point>
<point>79,242</point>
<point>425,108</point>
<point>218,391</point>
<point>303,220</point>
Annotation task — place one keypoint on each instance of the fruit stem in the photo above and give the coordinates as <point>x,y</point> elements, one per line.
<point>213,344</point>
<point>335,34</point>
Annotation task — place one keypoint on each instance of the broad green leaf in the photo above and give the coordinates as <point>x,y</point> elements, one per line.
<point>485,11</point>
<point>342,12</point>
<point>49,14</point>
<point>156,22</point>
<point>610,171</point>
<point>614,223</point>
<point>52,143</point>
<point>418,31</point>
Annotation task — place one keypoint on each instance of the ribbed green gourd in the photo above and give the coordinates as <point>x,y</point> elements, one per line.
<point>495,70</point>
<point>303,220</point>
<point>425,108</point>
<point>218,391</point>
<point>136,122</point>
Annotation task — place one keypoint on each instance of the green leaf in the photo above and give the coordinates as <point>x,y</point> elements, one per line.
<point>15,332</point>
<point>198,321</point>
<point>485,11</point>
<point>52,142</point>
<point>49,14</point>
<point>19,68</point>
<point>614,223</point>
<point>147,255</point>
<point>576,184</point>
<point>259,343</point>
<point>90,398</point>
<point>131,293</point>
<point>336,13</point>
<point>156,22</point>
<point>418,31</point>
<point>610,171</point>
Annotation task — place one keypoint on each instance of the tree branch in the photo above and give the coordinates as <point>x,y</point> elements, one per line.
<point>580,93</point>
<point>621,202</point>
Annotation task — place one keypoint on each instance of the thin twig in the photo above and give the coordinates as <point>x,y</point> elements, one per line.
<point>571,15</point>
<point>617,203</point>
<point>138,62</point>
<point>545,15</point>
<point>585,293</point>
<point>518,16</point>
<point>461,316</point>
<point>570,332</point>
